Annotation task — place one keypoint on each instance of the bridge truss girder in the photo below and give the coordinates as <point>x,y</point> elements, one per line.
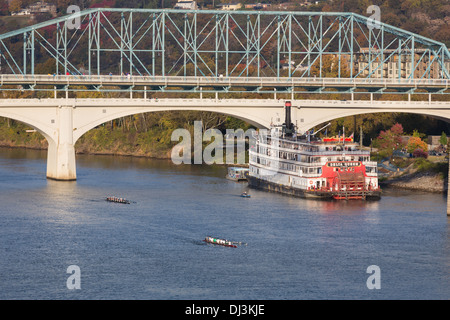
<point>212,43</point>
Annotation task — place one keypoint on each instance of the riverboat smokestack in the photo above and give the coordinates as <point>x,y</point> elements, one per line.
<point>288,126</point>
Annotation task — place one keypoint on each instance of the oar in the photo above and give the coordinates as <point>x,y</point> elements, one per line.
<point>238,242</point>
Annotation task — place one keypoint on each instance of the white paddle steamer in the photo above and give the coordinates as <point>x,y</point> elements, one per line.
<point>308,166</point>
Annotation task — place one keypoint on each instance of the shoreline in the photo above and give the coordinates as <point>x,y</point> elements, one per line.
<point>425,181</point>
<point>101,153</point>
<point>112,154</point>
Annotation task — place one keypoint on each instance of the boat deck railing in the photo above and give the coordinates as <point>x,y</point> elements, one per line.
<point>318,152</point>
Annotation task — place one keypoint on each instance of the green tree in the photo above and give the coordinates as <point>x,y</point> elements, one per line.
<point>443,139</point>
<point>418,134</point>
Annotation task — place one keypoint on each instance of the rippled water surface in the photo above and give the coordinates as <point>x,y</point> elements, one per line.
<point>152,248</point>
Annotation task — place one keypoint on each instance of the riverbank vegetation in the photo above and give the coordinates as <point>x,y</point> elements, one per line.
<point>418,174</point>
<point>146,134</point>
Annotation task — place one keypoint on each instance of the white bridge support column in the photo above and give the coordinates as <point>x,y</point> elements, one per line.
<point>61,150</point>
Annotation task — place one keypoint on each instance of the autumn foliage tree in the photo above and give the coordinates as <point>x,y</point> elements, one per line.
<point>15,5</point>
<point>415,143</point>
<point>390,140</point>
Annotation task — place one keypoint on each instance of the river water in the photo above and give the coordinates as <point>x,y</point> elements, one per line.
<point>152,248</point>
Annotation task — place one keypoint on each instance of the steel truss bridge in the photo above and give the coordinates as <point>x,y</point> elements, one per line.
<point>171,50</point>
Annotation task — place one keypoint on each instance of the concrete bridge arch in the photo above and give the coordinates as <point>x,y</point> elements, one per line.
<point>312,113</point>
<point>63,121</point>
<point>336,115</point>
<point>106,115</point>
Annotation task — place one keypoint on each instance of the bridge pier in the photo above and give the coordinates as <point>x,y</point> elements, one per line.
<point>61,150</point>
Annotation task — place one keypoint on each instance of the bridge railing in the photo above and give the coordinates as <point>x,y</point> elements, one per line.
<point>230,81</point>
<point>210,102</point>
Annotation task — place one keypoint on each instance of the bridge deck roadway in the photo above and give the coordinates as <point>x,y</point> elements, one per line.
<point>190,82</point>
<point>260,112</point>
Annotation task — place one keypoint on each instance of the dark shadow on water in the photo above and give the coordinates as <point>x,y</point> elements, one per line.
<point>198,242</point>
